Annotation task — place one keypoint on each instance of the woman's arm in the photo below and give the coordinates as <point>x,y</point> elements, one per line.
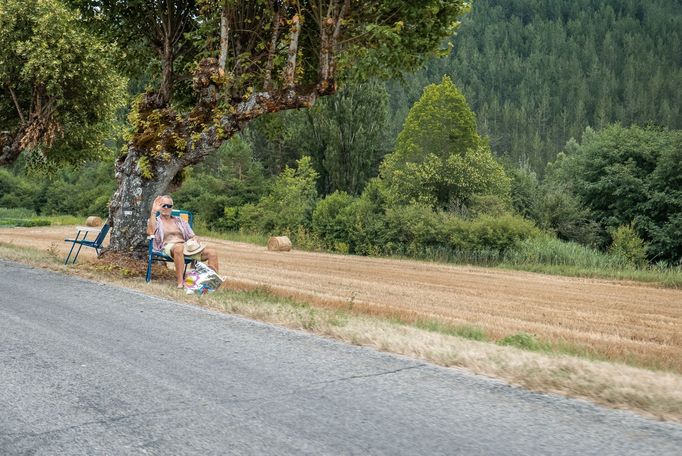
<point>151,221</point>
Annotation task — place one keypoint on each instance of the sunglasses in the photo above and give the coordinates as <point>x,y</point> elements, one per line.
<point>167,206</point>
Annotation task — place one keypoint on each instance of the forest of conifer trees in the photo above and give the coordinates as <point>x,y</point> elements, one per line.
<point>538,72</point>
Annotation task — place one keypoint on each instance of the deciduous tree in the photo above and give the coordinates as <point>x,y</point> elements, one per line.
<point>266,56</point>
<point>60,89</point>
<point>440,160</point>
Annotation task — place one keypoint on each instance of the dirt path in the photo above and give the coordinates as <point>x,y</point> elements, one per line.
<point>620,320</point>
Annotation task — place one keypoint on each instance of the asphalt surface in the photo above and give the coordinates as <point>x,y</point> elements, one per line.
<point>87,368</point>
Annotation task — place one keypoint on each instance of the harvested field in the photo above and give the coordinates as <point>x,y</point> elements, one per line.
<point>636,323</point>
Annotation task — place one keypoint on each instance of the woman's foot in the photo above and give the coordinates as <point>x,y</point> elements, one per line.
<point>180,285</point>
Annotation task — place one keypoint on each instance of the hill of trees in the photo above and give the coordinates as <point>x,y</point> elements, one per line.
<point>537,72</point>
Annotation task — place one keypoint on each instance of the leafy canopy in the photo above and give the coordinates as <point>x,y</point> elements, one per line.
<point>365,39</point>
<point>629,175</point>
<point>61,90</point>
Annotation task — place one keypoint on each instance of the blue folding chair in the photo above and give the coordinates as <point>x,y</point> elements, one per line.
<point>158,255</point>
<point>95,243</point>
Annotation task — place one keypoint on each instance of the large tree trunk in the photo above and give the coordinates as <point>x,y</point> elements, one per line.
<point>10,146</point>
<point>131,203</point>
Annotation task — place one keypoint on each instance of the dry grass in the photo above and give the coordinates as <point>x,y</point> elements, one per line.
<point>606,320</point>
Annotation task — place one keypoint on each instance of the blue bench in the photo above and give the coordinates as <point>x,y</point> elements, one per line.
<point>84,242</point>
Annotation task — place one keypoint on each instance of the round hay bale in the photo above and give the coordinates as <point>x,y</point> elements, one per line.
<point>93,221</point>
<point>279,244</point>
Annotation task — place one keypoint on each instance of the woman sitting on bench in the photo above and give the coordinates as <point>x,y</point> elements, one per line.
<point>175,238</point>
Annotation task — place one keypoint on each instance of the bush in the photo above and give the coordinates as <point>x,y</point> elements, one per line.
<point>628,246</point>
<point>366,227</point>
<point>288,206</point>
<point>488,233</point>
<point>33,222</point>
<point>328,224</point>
<point>412,229</point>
<point>562,212</point>
<point>500,233</point>
<point>548,250</point>
<point>16,213</point>
<point>15,192</point>
<point>524,341</point>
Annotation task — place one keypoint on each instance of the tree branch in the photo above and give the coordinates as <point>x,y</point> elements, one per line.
<point>16,104</point>
<point>256,105</point>
<point>224,36</point>
<point>335,36</point>
<point>290,69</point>
<point>267,83</point>
<point>10,147</point>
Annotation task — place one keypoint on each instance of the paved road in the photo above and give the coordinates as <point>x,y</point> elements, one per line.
<point>87,368</point>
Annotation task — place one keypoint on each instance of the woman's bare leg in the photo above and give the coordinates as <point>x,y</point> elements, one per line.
<point>210,256</point>
<point>179,262</point>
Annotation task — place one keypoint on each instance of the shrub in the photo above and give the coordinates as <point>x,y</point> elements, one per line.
<point>15,192</point>
<point>366,227</point>
<point>413,228</point>
<point>549,250</point>
<point>289,204</point>
<point>488,233</point>
<point>628,246</point>
<point>525,341</point>
<point>16,213</point>
<point>33,222</point>
<point>328,224</point>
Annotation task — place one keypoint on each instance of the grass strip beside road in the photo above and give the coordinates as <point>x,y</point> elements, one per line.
<point>520,359</point>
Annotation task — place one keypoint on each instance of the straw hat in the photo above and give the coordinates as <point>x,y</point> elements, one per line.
<point>192,247</point>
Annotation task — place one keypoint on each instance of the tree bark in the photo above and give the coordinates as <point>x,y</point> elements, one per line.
<point>131,203</point>
<point>224,36</point>
<point>10,146</point>
<point>166,88</point>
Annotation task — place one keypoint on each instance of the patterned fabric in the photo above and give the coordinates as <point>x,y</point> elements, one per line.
<point>185,229</point>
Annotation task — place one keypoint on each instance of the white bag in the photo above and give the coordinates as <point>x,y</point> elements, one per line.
<point>202,279</point>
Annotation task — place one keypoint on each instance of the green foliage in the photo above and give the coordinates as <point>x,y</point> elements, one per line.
<point>393,36</point>
<point>83,190</point>
<point>495,233</point>
<point>538,72</point>
<point>467,332</point>
<point>288,205</point>
<point>16,213</point>
<point>627,245</point>
<point>345,134</point>
<point>440,160</point>
<point>381,38</point>
<point>525,341</point>
<point>14,191</point>
<point>66,86</point>
<point>215,189</point>
<point>364,221</point>
<point>277,140</point>
<point>627,174</point>
<point>369,225</point>
<point>33,222</point>
<point>548,250</point>
<point>525,193</point>
<point>411,229</point>
<point>562,212</point>
<point>328,222</point>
